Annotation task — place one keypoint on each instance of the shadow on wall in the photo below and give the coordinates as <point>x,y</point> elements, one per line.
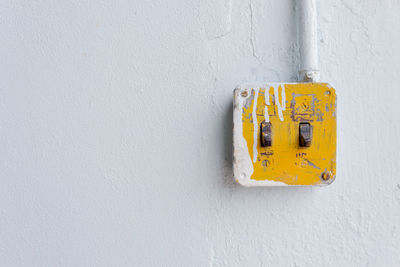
<point>228,148</point>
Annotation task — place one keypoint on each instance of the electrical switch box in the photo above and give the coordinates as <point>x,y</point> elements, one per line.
<point>284,134</point>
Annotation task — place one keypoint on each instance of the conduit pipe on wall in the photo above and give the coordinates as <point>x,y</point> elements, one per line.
<point>307,13</point>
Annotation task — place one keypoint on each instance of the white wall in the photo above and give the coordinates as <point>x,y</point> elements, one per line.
<point>115,135</point>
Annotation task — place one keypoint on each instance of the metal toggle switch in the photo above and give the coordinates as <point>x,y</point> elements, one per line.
<point>305,134</point>
<point>266,134</point>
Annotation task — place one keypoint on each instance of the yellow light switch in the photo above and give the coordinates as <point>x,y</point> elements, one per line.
<point>298,124</point>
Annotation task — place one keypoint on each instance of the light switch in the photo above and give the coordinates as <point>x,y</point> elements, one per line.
<point>284,134</point>
<point>305,134</point>
<point>266,134</point>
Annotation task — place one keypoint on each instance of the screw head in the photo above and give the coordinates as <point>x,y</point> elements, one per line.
<point>244,93</point>
<point>326,176</point>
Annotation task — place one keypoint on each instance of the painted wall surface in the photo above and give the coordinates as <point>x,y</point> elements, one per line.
<point>116,133</point>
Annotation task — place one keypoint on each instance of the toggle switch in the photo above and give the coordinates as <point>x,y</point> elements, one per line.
<point>305,134</point>
<point>266,134</point>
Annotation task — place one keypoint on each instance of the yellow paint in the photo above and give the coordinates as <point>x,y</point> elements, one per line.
<point>285,161</point>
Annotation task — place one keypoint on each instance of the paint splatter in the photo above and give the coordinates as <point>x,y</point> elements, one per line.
<point>266,97</point>
<point>255,124</point>
<point>280,105</point>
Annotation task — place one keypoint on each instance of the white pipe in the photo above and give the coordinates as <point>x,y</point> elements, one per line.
<point>309,71</point>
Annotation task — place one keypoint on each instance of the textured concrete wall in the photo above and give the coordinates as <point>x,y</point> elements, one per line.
<point>115,135</point>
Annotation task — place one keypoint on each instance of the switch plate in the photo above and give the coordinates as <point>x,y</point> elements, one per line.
<point>285,162</point>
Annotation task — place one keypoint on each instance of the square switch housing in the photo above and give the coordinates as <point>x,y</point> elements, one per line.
<point>284,134</point>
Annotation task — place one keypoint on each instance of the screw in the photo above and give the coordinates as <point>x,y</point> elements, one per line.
<point>245,93</point>
<point>326,175</point>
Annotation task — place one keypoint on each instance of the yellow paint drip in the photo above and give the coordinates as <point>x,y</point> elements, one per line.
<point>290,104</point>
